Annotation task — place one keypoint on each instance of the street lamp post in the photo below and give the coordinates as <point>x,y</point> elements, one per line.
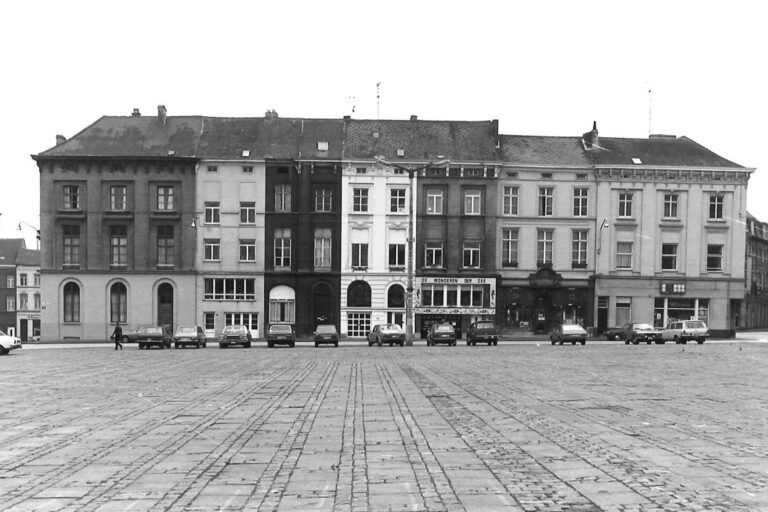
<point>409,320</point>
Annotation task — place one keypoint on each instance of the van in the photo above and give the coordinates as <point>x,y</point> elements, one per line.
<point>683,330</point>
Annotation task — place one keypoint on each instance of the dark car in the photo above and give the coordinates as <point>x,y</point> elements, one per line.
<point>643,332</point>
<point>392,334</point>
<point>326,334</point>
<point>441,333</point>
<point>154,336</point>
<point>616,333</point>
<point>281,334</point>
<point>189,335</point>
<point>483,331</point>
<point>234,335</point>
<point>568,333</point>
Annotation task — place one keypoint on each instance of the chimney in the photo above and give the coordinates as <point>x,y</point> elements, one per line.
<point>136,113</point>
<point>161,114</point>
<point>60,139</point>
<point>271,114</point>
<point>590,138</point>
<point>414,118</point>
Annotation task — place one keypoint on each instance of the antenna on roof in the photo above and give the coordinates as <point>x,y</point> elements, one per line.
<point>377,100</point>
<point>650,103</point>
<point>353,102</point>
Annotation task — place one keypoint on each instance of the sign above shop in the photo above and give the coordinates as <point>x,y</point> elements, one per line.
<point>455,311</point>
<point>673,288</point>
<point>545,278</point>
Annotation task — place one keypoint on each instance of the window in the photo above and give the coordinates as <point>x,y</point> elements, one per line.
<point>472,202</point>
<point>71,245</point>
<point>213,168</point>
<point>22,279</point>
<point>716,202</point>
<point>283,248</point>
<point>579,248</point>
<point>361,170</point>
<point>36,281</point>
<point>209,320</point>
<point>509,247</point>
<point>670,206</point>
<point>229,288</point>
<point>118,246</point>
<point>71,197</point>
<point>117,197</point>
<point>248,250</point>
<point>397,200</point>
<point>249,320</point>
<point>668,256</point>
<point>544,247</point>
<point>323,200</point>
<point>625,204</point>
<point>714,258</point>
<point>248,168</point>
<point>359,255</point>
<point>471,254</point>
<point>282,197</point>
<point>10,303</point>
<point>360,200</point>
<point>397,255</point>
<point>37,301</point>
<point>359,295</point>
<point>546,201</point>
<point>23,302</point>
<point>623,310</point>
<point>118,303</point>
<point>212,249</point>
<point>323,248</point>
<point>434,202</point>
<point>164,198</point>
<point>624,255</point>
<point>433,255</point>
<point>71,302</point>
<point>511,200</point>
<point>358,324</point>
<point>248,212</point>
<point>580,201</point>
<point>165,245</point>
<point>212,212</point>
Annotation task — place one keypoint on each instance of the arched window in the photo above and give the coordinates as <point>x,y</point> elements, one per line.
<point>359,295</point>
<point>282,304</point>
<point>396,297</point>
<point>118,303</point>
<point>71,302</point>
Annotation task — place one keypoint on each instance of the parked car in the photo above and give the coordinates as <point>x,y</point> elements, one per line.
<point>234,335</point>
<point>281,334</point>
<point>386,333</point>
<point>159,336</point>
<point>684,330</point>
<point>8,343</point>
<point>326,334</point>
<point>616,333</point>
<point>483,331</point>
<point>441,333</point>
<point>643,332</point>
<point>568,333</point>
<point>132,336</point>
<point>189,335</point>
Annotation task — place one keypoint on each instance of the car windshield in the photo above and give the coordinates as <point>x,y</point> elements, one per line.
<point>693,325</point>
<point>326,329</point>
<point>233,329</point>
<point>186,330</point>
<point>280,328</point>
<point>444,328</point>
<point>573,328</point>
<point>644,327</point>
<point>154,330</point>
<point>391,328</point>
<point>2,333</point>
<point>484,325</point>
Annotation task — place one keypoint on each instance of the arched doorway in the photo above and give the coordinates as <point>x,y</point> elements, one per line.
<point>396,301</point>
<point>165,305</point>
<point>321,305</point>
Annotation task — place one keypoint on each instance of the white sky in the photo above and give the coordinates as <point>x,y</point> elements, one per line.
<point>540,68</point>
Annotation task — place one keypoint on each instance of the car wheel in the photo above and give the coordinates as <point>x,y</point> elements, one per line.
<point>402,343</point>
<point>270,344</point>
<point>175,345</point>
<point>684,341</point>
<point>583,342</point>
<point>560,342</point>
<point>700,341</point>
<point>553,342</point>
<point>4,351</point>
<point>293,344</point>
<point>141,346</point>
<point>378,342</point>
<point>248,345</point>
<point>336,344</point>
<point>635,342</point>
<point>648,342</point>
<point>616,337</point>
<point>222,345</point>
<point>125,339</point>
<point>317,344</point>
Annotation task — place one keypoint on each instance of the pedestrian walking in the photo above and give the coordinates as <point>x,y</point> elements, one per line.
<point>117,335</point>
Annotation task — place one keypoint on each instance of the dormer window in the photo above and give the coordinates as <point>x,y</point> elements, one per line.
<point>322,145</point>
<point>637,161</point>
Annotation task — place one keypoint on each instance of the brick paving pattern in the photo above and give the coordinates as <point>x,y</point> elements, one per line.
<point>514,427</point>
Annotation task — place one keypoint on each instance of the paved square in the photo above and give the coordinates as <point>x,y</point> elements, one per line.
<point>514,427</point>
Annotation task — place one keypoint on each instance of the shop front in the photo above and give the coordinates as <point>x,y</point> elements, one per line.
<point>456,300</point>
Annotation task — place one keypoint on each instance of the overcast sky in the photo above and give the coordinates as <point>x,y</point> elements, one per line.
<point>540,68</point>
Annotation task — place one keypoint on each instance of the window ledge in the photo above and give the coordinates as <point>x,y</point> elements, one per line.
<point>396,269</point>
<point>509,264</point>
<point>359,269</point>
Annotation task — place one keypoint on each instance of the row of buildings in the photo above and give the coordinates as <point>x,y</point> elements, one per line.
<point>20,295</point>
<point>191,219</point>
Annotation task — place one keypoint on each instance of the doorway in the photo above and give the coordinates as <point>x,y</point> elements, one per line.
<point>165,305</point>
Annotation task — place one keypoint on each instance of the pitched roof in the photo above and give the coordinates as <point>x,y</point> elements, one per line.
<point>664,151</point>
<point>115,136</point>
<point>28,257</point>
<point>537,150</point>
<point>9,248</point>
<point>470,141</point>
<point>270,137</point>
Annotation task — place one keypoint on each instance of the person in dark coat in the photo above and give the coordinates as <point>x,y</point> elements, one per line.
<point>117,335</point>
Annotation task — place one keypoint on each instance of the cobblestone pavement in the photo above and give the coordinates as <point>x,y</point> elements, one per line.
<point>514,427</point>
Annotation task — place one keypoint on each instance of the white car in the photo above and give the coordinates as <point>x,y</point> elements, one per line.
<point>8,343</point>
<point>683,331</point>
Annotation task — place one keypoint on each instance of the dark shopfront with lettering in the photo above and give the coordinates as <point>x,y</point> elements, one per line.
<point>457,300</point>
<point>543,301</point>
